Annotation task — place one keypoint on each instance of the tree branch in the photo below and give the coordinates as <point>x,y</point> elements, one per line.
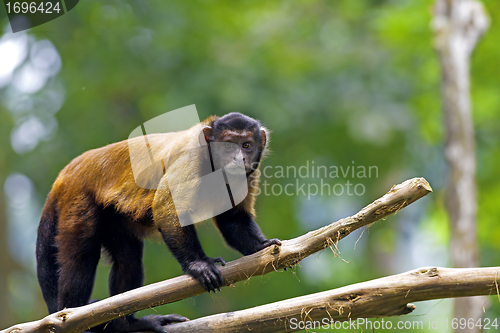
<point>270,259</point>
<point>387,296</point>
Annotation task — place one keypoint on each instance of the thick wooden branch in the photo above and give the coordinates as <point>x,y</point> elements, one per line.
<point>387,296</point>
<point>275,257</point>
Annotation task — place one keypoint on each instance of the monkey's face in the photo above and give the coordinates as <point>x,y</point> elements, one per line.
<point>238,142</point>
<point>235,150</point>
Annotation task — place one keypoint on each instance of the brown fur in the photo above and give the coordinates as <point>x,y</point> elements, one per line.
<point>107,173</point>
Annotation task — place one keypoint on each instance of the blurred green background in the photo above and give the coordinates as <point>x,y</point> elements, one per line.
<point>344,83</point>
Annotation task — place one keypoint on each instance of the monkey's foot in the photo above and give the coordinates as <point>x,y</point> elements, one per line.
<point>205,272</point>
<point>152,323</point>
<point>269,242</point>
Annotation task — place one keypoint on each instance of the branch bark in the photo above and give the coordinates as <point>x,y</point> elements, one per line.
<point>270,259</point>
<point>458,26</point>
<point>387,296</point>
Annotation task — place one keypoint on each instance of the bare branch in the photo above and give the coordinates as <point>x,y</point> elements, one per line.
<point>387,296</point>
<point>270,259</point>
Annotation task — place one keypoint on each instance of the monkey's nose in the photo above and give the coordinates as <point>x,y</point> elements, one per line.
<point>239,156</point>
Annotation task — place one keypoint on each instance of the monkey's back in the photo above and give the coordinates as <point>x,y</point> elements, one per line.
<point>104,177</point>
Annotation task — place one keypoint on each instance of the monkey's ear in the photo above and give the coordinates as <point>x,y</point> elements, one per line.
<point>264,134</point>
<point>206,134</point>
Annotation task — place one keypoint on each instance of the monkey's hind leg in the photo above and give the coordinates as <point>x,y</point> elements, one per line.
<point>47,269</point>
<point>125,251</point>
<point>78,258</point>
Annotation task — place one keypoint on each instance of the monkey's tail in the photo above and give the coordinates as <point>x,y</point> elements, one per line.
<point>47,268</point>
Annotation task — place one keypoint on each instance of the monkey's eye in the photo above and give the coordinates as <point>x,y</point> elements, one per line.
<point>246,145</point>
<point>228,145</point>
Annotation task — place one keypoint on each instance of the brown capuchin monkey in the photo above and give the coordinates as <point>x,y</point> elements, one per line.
<point>100,201</point>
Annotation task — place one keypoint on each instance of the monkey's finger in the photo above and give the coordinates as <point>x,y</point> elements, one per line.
<point>150,323</point>
<point>209,279</point>
<point>275,241</point>
<point>168,319</point>
<point>269,242</point>
<point>220,260</point>
<point>158,328</point>
<point>216,282</point>
<point>174,318</point>
<point>205,285</point>
<point>219,278</point>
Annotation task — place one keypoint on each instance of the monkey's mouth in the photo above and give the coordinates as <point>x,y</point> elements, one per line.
<point>235,169</point>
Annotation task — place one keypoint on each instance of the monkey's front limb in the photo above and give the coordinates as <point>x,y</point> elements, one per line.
<point>186,248</point>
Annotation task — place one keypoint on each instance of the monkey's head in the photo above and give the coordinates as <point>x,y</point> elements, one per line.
<point>237,138</point>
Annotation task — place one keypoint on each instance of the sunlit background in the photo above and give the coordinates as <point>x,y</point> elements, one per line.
<point>345,83</point>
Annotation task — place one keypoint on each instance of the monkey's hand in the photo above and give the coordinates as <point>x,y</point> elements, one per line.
<point>206,273</point>
<point>269,242</point>
<point>152,323</point>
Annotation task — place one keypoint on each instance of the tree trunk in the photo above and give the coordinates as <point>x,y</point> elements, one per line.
<point>8,265</point>
<point>458,25</point>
